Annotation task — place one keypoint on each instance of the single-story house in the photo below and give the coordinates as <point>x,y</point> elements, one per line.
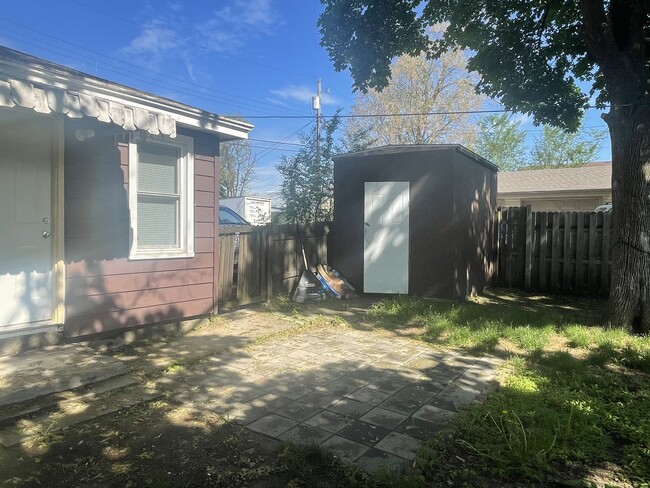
<point>557,190</point>
<point>415,219</point>
<point>108,199</point>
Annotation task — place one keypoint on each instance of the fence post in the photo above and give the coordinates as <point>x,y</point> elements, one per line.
<point>530,249</point>
<point>580,230</point>
<point>543,249</point>
<point>268,243</point>
<point>566,256</point>
<point>509,262</point>
<point>496,241</point>
<point>604,259</point>
<point>591,270</point>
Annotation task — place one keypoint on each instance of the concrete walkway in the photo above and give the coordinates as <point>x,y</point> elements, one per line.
<point>370,398</point>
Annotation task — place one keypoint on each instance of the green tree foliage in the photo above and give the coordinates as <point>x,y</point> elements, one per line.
<point>501,141</point>
<point>557,148</point>
<point>536,57</point>
<point>307,180</point>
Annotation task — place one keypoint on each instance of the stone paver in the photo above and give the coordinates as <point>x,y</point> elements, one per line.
<point>434,414</point>
<point>299,411</point>
<point>330,421</point>
<point>272,425</point>
<point>345,448</point>
<point>418,428</point>
<point>383,417</point>
<point>375,461</point>
<point>305,435</point>
<point>401,445</point>
<point>363,396</point>
<point>364,432</point>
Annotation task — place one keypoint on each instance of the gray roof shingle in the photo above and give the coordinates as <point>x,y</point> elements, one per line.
<point>593,176</point>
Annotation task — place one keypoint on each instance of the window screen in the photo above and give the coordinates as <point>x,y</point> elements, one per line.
<point>158,196</point>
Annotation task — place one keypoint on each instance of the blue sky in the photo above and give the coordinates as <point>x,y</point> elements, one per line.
<point>256,58</point>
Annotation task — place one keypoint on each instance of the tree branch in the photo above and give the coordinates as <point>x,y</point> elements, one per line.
<point>617,62</point>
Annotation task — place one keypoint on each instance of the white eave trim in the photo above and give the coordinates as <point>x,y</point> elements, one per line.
<point>51,88</point>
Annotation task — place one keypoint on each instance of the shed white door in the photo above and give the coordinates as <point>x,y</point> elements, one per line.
<point>386,237</point>
<point>25,219</point>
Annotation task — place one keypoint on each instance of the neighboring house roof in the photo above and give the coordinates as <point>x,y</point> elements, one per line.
<point>409,148</point>
<point>45,87</point>
<point>589,177</point>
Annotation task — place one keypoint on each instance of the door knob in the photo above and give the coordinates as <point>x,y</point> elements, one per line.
<point>46,235</point>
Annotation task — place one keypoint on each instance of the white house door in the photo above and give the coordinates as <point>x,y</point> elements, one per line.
<point>386,237</point>
<point>25,219</point>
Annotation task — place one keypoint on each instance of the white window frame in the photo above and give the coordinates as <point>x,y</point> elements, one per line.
<point>186,201</point>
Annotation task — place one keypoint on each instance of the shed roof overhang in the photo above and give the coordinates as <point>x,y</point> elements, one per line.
<point>33,83</point>
<point>413,148</point>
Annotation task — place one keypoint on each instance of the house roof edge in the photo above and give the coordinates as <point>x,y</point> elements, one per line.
<point>42,74</point>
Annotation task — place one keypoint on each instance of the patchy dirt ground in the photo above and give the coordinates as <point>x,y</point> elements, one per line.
<point>162,445</point>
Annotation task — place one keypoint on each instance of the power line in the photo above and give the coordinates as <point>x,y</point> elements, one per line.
<point>121,70</point>
<point>414,114</point>
<point>275,148</point>
<point>262,154</point>
<point>277,142</point>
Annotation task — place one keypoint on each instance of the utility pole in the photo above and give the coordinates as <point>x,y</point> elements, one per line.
<point>316,106</point>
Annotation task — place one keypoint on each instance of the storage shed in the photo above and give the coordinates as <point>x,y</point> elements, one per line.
<point>415,219</point>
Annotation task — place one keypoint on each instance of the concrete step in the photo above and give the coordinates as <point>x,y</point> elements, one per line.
<point>16,411</point>
<point>40,373</point>
<point>56,412</point>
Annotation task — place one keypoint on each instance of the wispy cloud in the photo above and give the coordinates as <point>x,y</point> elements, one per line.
<point>226,30</point>
<point>244,15</point>
<point>229,28</point>
<point>303,93</point>
<point>156,41</point>
<point>279,103</point>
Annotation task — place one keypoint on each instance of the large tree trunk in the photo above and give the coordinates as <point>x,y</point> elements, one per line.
<point>629,297</point>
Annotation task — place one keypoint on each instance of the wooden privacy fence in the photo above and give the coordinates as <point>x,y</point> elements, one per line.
<point>567,252</point>
<point>257,263</point>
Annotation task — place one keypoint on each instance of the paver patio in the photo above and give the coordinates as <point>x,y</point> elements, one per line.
<point>370,398</point>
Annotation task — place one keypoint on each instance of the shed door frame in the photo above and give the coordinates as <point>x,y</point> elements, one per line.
<point>57,233</point>
<point>386,237</point>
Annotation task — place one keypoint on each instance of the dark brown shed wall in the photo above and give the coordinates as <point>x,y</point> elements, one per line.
<point>448,228</point>
<point>105,291</point>
<point>475,210</point>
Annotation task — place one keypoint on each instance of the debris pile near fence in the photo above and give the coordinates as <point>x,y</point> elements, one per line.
<point>256,263</point>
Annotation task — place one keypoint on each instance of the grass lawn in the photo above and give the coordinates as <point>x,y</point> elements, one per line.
<point>573,408</point>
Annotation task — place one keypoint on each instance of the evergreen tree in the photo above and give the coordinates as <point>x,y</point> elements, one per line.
<point>308,180</point>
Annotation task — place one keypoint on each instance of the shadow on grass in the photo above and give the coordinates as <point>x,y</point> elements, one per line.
<point>556,418</point>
